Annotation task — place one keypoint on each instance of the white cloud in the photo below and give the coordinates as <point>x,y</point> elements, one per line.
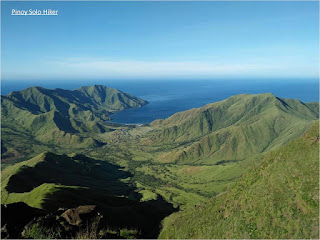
<point>159,68</point>
<point>89,68</point>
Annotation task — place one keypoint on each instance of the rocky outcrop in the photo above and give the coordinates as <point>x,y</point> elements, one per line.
<point>18,220</point>
<point>75,216</point>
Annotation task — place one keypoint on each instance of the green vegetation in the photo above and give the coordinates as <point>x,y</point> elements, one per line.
<point>139,175</point>
<point>233,129</point>
<point>34,180</point>
<point>38,119</point>
<point>38,232</point>
<point>244,128</point>
<point>129,233</point>
<point>277,199</point>
<point>51,181</point>
<point>91,231</point>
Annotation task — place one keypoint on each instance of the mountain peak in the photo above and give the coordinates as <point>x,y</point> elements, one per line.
<point>234,124</point>
<point>97,87</point>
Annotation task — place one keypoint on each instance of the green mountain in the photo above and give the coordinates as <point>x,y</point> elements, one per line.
<point>233,129</point>
<point>50,181</point>
<point>279,199</point>
<point>139,175</point>
<point>60,118</point>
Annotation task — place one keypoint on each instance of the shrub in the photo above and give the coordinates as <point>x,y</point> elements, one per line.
<point>36,231</point>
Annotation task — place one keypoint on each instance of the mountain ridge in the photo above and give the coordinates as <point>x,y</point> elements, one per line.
<point>180,162</point>
<point>232,129</point>
<point>59,117</point>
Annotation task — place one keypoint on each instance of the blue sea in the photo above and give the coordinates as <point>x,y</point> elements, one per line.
<point>167,97</point>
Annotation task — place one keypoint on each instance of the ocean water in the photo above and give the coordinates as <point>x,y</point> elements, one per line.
<point>168,97</point>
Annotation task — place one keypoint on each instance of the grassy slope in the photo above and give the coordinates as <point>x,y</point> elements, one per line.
<point>278,199</point>
<point>31,181</point>
<point>233,129</point>
<point>51,181</point>
<point>184,184</point>
<point>37,119</point>
<point>32,198</point>
<point>204,172</point>
<point>180,184</point>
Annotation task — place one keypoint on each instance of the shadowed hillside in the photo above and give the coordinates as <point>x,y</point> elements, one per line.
<point>141,174</point>
<point>51,181</point>
<point>278,199</point>
<point>32,180</point>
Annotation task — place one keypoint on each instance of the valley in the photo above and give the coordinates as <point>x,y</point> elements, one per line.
<point>60,151</point>
<point>38,119</point>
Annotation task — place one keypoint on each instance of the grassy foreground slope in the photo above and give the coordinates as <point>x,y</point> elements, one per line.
<point>50,181</point>
<point>41,119</point>
<point>278,199</point>
<point>33,181</point>
<point>233,129</point>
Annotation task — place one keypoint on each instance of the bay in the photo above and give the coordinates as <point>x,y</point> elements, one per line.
<point>167,97</point>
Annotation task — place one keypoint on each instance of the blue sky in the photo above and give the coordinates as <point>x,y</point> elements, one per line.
<point>131,40</point>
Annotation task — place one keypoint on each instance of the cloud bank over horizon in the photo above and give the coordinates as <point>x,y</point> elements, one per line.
<point>74,68</point>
